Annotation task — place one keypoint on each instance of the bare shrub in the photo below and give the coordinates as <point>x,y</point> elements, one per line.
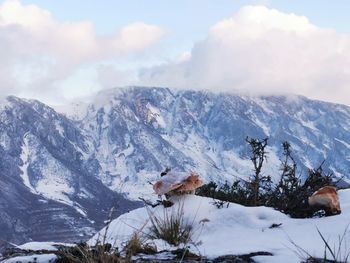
<point>138,244</point>
<point>82,253</point>
<point>336,253</point>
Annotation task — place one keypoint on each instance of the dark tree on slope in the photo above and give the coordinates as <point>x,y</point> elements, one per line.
<point>316,179</point>
<point>289,180</point>
<point>291,195</point>
<point>259,185</point>
<point>286,196</point>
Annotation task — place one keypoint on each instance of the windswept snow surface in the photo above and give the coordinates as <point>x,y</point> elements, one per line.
<point>45,258</point>
<point>240,230</point>
<point>43,246</point>
<point>37,258</point>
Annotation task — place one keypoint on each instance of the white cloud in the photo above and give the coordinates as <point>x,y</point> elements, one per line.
<point>263,51</point>
<point>110,77</point>
<point>38,52</point>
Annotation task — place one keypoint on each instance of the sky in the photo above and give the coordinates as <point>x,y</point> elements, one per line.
<point>59,51</point>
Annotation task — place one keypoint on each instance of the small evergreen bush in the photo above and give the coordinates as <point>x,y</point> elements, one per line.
<point>235,193</point>
<point>289,195</point>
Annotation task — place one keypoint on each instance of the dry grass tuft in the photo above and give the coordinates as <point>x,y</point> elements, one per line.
<point>83,253</point>
<point>171,227</point>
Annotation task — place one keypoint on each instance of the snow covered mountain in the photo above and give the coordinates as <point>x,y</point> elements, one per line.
<point>48,188</point>
<point>60,173</point>
<point>137,132</point>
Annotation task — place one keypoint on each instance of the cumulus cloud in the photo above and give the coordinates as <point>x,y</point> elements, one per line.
<point>37,51</point>
<point>263,51</point>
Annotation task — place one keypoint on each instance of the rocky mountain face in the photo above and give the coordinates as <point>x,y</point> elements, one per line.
<point>49,189</point>
<point>139,131</point>
<point>61,173</point>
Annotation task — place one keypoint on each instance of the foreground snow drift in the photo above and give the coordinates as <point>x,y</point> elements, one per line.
<point>45,258</point>
<point>32,247</point>
<point>238,229</point>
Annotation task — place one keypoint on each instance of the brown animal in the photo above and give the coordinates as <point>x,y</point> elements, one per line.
<point>326,198</point>
<point>177,184</point>
<point>190,185</point>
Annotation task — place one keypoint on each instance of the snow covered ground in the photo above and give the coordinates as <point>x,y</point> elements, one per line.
<point>45,258</point>
<point>37,258</point>
<point>241,230</point>
<point>232,230</point>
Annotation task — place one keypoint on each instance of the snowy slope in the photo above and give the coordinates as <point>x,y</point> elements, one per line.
<point>48,189</point>
<point>239,230</point>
